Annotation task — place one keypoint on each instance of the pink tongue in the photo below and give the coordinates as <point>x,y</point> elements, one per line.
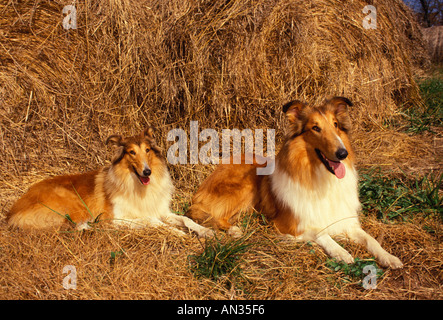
<point>339,169</point>
<point>144,180</point>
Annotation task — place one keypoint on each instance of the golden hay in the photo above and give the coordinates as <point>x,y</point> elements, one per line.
<point>434,40</point>
<point>224,64</point>
<point>227,64</point>
<point>152,264</point>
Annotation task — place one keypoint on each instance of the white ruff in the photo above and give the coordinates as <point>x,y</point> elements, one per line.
<point>329,208</point>
<point>133,201</point>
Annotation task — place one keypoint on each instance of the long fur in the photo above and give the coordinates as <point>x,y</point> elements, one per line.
<point>312,194</point>
<point>135,190</point>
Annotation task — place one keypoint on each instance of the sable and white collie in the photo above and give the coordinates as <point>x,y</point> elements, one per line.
<point>135,190</point>
<point>312,194</point>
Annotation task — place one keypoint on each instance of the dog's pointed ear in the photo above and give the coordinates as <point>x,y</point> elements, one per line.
<point>114,140</point>
<point>149,135</point>
<point>293,110</point>
<point>341,104</point>
<point>295,113</point>
<point>149,132</point>
<point>340,108</point>
<point>117,141</point>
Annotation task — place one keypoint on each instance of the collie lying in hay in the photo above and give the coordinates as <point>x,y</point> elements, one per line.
<point>135,190</point>
<point>312,195</point>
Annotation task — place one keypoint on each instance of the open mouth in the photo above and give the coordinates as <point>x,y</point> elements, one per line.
<point>335,167</point>
<point>143,180</point>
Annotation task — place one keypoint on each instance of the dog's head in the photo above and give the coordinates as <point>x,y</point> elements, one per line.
<point>324,129</point>
<point>136,153</point>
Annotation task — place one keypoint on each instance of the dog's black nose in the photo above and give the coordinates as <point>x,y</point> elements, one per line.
<point>341,154</point>
<point>147,172</point>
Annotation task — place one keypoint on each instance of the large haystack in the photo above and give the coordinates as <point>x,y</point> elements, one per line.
<point>434,39</point>
<point>227,64</point>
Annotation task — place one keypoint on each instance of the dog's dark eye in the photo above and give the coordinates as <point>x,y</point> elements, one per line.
<point>132,152</point>
<point>147,150</point>
<point>336,124</point>
<point>315,128</point>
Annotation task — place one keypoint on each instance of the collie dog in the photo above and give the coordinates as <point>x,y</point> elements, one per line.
<point>135,190</point>
<point>312,194</point>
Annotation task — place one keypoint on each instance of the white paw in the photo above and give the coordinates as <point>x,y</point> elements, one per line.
<point>83,226</point>
<point>177,232</point>
<point>391,261</point>
<point>235,232</point>
<point>342,255</point>
<point>206,233</point>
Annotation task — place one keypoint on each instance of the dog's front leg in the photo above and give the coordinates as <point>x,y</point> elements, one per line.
<point>333,249</point>
<point>140,223</point>
<point>183,221</point>
<point>386,259</point>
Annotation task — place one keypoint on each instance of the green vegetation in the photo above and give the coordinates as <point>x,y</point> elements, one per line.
<point>353,272</point>
<point>114,255</point>
<point>392,197</point>
<point>218,258</point>
<point>417,119</point>
<point>431,90</point>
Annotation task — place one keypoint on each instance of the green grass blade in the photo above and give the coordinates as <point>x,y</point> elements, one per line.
<point>87,208</point>
<point>66,216</point>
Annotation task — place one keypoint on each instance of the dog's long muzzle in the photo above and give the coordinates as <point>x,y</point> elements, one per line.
<point>144,177</point>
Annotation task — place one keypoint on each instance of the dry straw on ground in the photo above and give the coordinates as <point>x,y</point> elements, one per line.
<point>227,64</point>
<point>153,264</point>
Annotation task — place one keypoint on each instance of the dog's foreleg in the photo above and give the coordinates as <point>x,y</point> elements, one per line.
<point>132,223</point>
<point>156,223</point>
<point>333,249</point>
<point>386,259</point>
<point>183,221</point>
<point>140,223</point>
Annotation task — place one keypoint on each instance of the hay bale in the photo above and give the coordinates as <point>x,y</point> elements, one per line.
<point>434,39</point>
<point>226,64</point>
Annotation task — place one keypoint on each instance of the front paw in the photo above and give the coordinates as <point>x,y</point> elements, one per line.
<point>342,255</point>
<point>206,233</point>
<point>235,232</point>
<point>391,261</point>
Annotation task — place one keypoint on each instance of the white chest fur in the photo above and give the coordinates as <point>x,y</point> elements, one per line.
<point>134,201</point>
<point>330,207</point>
